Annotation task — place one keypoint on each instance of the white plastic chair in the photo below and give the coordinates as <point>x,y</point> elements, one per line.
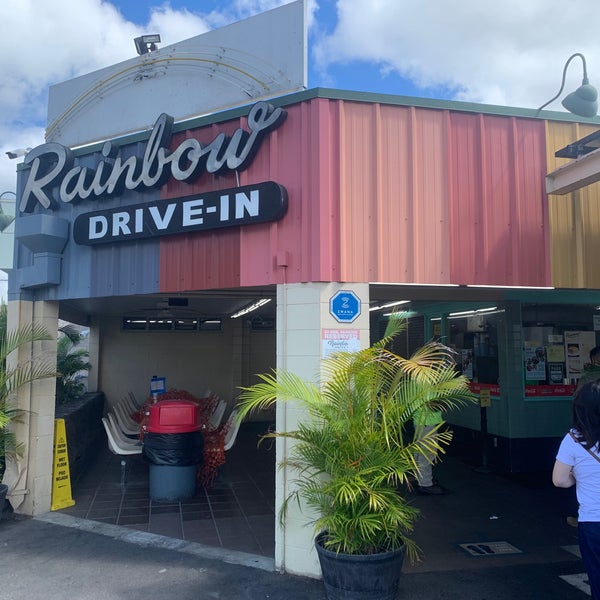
<point>135,403</point>
<point>124,420</point>
<point>120,449</point>
<point>234,427</point>
<point>119,435</point>
<point>128,404</point>
<point>217,415</point>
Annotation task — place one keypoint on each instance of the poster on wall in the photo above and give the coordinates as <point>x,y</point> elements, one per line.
<point>577,349</point>
<point>556,373</point>
<point>340,340</point>
<point>555,353</point>
<point>535,361</point>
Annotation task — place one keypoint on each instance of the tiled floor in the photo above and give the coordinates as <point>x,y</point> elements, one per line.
<point>236,513</point>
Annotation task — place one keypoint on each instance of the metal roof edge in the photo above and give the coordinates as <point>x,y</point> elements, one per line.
<point>456,105</point>
<point>348,95</point>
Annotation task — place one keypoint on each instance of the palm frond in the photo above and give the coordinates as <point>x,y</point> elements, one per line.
<point>354,449</point>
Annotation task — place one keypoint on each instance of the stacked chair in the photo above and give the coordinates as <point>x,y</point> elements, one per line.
<point>122,432</point>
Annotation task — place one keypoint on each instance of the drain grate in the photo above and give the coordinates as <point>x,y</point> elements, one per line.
<point>490,548</point>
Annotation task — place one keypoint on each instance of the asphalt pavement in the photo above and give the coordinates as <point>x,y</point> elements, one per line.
<point>56,556</point>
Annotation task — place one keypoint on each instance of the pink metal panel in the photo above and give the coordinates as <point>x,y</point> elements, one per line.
<point>394,214</point>
<point>498,201</point>
<point>302,155</point>
<point>379,193</point>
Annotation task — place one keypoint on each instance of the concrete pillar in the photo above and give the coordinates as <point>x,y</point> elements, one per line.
<point>30,476</point>
<point>303,319</point>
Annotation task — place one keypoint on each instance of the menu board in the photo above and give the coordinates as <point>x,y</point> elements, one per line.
<point>577,351</point>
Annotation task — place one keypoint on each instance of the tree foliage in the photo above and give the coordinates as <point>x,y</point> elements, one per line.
<point>72,364</point>
<point>14,377</point>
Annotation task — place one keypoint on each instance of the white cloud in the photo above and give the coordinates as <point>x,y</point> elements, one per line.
<point>509,53</point>
<point>48,42</point>
<point>43,43</point>
<point>175,26</point>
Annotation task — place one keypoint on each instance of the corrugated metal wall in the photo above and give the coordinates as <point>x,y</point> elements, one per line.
<point>248,255</point>
<point>574,218</point>
<point>378,193</point>
<point>442,197</point>
<point>381,193</point>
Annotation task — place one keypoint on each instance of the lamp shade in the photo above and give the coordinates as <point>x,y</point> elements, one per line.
<point>583,101</point>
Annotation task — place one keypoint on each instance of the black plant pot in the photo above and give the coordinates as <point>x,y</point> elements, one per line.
<point>360,576</point>
<point>3,492</point>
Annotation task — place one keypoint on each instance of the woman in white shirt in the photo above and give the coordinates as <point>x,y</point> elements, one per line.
<point>578,463</point>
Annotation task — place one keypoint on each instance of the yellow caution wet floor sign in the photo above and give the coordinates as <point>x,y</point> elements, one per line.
<point>61,479</point>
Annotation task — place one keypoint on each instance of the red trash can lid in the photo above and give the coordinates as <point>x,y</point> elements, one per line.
<point>174,416</point>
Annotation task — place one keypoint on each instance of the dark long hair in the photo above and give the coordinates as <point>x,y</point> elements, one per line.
<point>586,414</point>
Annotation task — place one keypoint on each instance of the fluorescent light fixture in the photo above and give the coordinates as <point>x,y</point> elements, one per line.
<point>475,313</point>
<point>472,312</point>
<point>389,305</point>
<point>513,287</point>
<point>403,313</point>
<point>250,308</point>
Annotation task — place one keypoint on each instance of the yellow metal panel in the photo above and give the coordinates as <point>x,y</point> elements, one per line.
<point>574,217</point>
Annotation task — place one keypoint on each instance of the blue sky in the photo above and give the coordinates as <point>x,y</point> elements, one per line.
<point>509,53</point>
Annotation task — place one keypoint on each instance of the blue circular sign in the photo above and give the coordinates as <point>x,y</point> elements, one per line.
<point>344,306</point>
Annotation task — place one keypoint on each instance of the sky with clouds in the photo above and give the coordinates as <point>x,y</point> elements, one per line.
<point>508,52</point>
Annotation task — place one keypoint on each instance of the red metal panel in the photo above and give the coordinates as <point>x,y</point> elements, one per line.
<point>498,201</point>
<point>302,155</point>
<point>379,193</point>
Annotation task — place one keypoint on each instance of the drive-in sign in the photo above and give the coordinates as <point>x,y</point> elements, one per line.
<point>243,205</point>
<point>344,306</point>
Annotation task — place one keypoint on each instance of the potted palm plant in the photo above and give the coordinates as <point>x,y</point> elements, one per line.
<point>11,379</point>
<point>354,456</point>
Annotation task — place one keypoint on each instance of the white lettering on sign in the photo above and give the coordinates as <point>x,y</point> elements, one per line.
<point>162,222</point>
<point>119,224</point>
<point>258,203</point>
<point>52,166</point>
<point>98,227</point>
<point>192,212</point>
<point>246,204</point>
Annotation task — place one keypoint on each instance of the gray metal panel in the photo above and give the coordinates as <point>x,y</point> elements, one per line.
<point>125,269</point>
<point>89,272</point>
<point>259,57</point>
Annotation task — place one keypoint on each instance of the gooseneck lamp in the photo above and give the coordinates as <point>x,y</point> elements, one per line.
<point>584,100</point>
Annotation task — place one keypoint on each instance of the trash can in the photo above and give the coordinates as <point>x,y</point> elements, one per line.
<point>174,446</point>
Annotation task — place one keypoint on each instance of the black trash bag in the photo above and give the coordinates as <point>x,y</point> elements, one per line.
<point>173,449</point>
